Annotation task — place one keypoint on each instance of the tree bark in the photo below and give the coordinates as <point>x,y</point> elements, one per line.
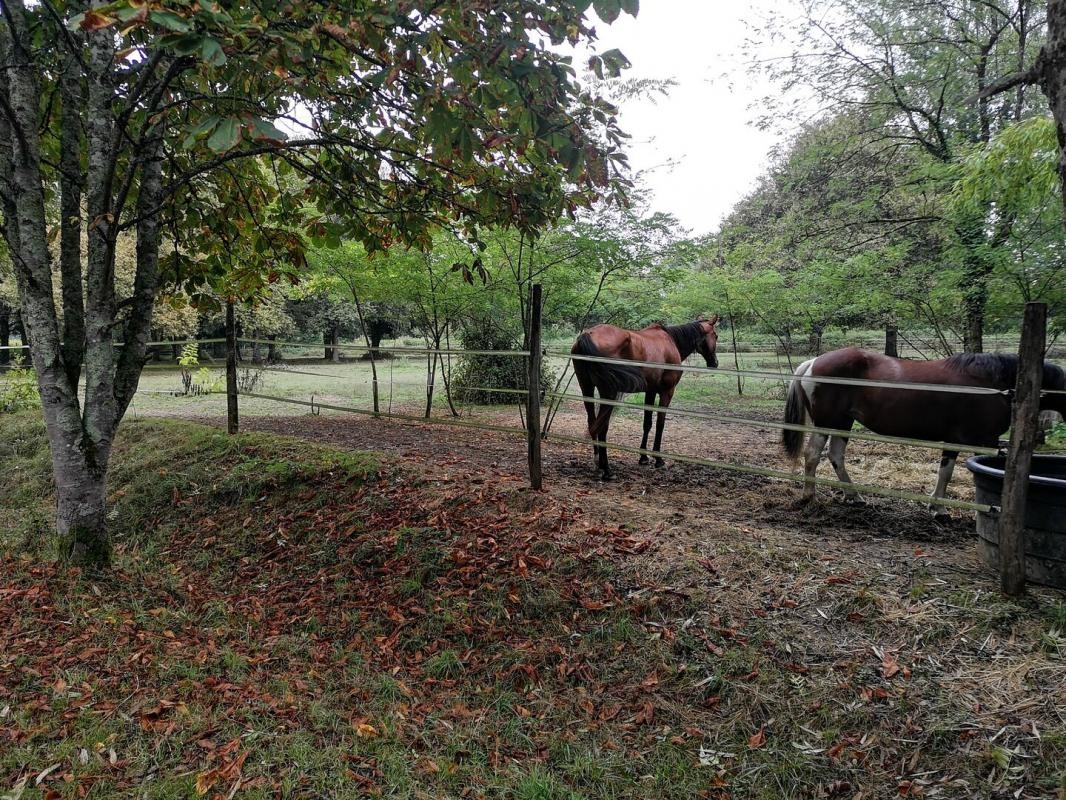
<point>101,410</point>
<point>1051,69</point>
<point>81,508</point>
<point>976,271</point>
<point>5,334</point>
<point>70,190</point>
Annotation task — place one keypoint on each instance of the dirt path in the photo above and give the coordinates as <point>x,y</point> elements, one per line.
<point>680,502</point>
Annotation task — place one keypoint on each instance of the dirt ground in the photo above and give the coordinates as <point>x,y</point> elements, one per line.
<point>679,499</point>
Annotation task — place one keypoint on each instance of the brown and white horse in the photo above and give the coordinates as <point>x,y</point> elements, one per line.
<point>967,419</point>
<point>656,344</point>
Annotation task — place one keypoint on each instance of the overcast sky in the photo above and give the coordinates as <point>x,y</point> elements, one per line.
<point>698,148</point>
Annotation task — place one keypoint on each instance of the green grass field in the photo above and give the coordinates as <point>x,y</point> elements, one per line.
<point>402,385</point>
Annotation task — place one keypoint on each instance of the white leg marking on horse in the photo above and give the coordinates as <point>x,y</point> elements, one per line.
<point>943,477</point>
<point>811,456</point>
<point>837,445</point>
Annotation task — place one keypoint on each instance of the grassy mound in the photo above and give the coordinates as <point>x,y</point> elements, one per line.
<point>285,620</point>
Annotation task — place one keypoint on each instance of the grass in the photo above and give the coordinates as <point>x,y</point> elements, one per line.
<point>285,619</point>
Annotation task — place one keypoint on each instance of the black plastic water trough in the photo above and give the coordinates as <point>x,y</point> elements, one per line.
<point>1045,516</point>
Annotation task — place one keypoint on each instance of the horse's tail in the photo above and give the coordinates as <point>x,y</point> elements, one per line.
<point>796,407</point>
<point>610,379</point>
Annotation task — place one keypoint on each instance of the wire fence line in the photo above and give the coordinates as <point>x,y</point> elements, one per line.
<point>362,348</point>
<point>462,423</point>
<point>769,472</point>
<point>786,376</point>
<point>521,393</point>
<point>749,469</point>
<point>788,426</point>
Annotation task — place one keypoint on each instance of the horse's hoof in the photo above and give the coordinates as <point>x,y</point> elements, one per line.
<point>941,516</point>
<point>643,461</point>
<point>855,500</point>
<point>659,463</point>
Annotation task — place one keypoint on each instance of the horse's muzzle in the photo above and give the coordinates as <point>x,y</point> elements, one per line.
<point>712,361</point>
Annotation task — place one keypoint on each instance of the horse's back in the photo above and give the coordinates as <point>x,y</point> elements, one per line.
<point>912,413</point>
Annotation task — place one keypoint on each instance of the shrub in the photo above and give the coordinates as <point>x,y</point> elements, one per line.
<point>478,375</point>
<point>202,381</point>
<point>18,387</point>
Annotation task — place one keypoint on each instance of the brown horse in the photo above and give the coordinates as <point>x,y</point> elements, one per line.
<point>656,344</point>
<point>968,419</point>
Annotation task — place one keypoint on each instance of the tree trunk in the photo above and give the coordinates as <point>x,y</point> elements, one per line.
<point>81,508</point>
<point>976,270</point>
<point>5,334</point>
<point>431,375</point>
<point>334,336</point>
<point>1052,76</point>
<point>814,342</point>
<point>892,339</point>
<point>70,176</point>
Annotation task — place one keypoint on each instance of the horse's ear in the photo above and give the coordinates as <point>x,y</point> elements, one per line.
<point>714,320</point>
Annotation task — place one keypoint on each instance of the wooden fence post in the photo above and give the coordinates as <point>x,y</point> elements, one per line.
<point>533,389</point>
<point>231,369</point>
<point>1025,421</point>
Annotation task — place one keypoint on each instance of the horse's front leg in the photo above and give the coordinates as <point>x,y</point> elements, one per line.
<point>837,446</point>
<point>943,476</point>
<point>649,400</point>
<point>588,392</point>
<point>664,402</point>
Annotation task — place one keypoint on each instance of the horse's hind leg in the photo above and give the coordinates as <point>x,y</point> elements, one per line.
<point>603,422</point>
<point>943,476</point>
<point>837,446</point>
<point>649,400</point>
<point>812,454</point>
<point>588,390</point>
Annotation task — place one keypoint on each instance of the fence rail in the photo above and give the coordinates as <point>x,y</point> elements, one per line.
<point>788,426</point>
<point>522,396</point>
<point>786,376</point>
<point>769,472</point>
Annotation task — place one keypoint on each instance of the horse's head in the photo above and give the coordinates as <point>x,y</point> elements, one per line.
<point>709,341</point>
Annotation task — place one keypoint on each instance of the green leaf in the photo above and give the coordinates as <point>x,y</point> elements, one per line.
<point>184,44</point>
<point>170,21</point>
<point>607,10</point>
<point>615,61</point>
<point>226,135</point>
<point>631,7</point>
<point>211,52</point>
<point>264,129</point>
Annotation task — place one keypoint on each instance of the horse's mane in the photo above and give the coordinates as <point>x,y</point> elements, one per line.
<point>686,336</point>
<point>1001,370</point>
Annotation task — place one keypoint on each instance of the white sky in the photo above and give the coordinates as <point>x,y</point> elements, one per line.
<point>698,148</point>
